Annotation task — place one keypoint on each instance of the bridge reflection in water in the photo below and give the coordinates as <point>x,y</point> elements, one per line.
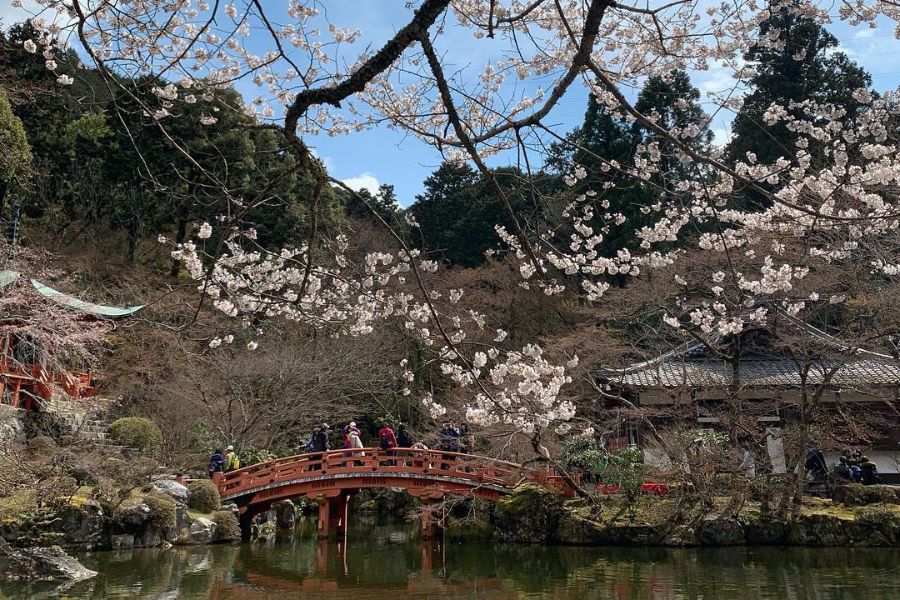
<point>385,560</point>
<point>332,478</point>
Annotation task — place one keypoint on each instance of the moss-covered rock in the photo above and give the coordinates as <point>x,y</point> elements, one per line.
<point>530,514</point>
<point>151,518</point>
<point>228,529</point>
<point>719,532</point>
<point>136,432</point>
<point>204,496</point>
<point>854,494</point>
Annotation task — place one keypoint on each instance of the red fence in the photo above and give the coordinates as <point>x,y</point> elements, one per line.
<point>450,472</point>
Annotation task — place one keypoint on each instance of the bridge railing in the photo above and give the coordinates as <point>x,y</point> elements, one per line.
<point>362,461</point>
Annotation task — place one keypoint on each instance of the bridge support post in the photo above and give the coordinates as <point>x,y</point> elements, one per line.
<point>333,514</point>
<point>430,529</point>
<point>324,517</point>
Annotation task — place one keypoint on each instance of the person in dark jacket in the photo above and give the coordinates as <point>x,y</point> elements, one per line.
<point>216,463</point>
<point>868,472</point>
<point>404,440</point>
<point>320,442</point>
<point>450,438</point>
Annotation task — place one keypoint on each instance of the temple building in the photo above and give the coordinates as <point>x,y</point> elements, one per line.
<point>699,382</point>
<point>27,379</point>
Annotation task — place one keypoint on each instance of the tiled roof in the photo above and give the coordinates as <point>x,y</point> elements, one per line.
<point>755,372</point>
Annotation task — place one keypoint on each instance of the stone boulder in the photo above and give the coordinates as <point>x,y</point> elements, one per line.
<point>83,523</point>
<point>176,491</point>
<point>132,517</point>
<point>719,532</point>
<point>47,564</point>
<point>285,515</point>
<point>531,514</point>
<point>12,424</point>
<point>202,531</point>
<point>855,494</point>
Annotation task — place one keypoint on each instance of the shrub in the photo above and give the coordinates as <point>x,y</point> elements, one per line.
<point>582,453</point>
<point>227,527</point>
<point>252,456</point>
<point>875,516</point>
<point>162,511</point>
<point>627,470</point>
<point>204,496</point>
<point>136,432</point>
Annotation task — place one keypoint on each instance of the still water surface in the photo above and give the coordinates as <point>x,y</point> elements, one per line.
<point>387,562</point>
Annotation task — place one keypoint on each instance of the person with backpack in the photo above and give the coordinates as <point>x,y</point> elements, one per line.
<point>386,439</point>
<point>232,461</point>
<point>216,463</point>
<point>868,471</point>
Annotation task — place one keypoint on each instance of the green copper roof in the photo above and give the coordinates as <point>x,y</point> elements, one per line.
<point>113,312</point>
<point>88,307</point>
<point>7,277</point>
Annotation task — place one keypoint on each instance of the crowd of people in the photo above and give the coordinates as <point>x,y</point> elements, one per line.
<point>852,466</point>
<point>855,466</point>
<point>450,439</point>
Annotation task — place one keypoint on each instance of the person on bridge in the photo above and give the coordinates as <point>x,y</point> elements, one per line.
<point>386,438</point>
<point>320,442</point>
<point>232,461</point>
<point>346,442</point>
<point>404,440</point>
<point>356,444</point>
<point>450,438</point>
<point>216,463</point>
<point>355,440</point>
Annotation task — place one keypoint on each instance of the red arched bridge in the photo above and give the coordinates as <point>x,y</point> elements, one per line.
<point>331,478</point>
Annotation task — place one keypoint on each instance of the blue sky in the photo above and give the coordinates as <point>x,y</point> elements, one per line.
<point>383,155</point>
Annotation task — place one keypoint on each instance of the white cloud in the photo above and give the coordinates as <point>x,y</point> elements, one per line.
<point>864,33</point>
<point>364,180</point>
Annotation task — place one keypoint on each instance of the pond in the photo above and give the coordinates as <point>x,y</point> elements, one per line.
<point>386,561</point>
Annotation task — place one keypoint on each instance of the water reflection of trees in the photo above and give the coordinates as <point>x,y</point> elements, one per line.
<point>373,565</point>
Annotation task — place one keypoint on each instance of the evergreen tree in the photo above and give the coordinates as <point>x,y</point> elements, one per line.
<point>459,210</point>
<point>607,138</point>
<point>442,209</point>
<point>801,65</point>
<point>15,153</point>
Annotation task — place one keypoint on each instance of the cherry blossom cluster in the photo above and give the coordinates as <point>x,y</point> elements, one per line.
<point>817,209</point>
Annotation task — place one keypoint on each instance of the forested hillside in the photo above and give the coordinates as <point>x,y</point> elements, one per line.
<point>278,298</point>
